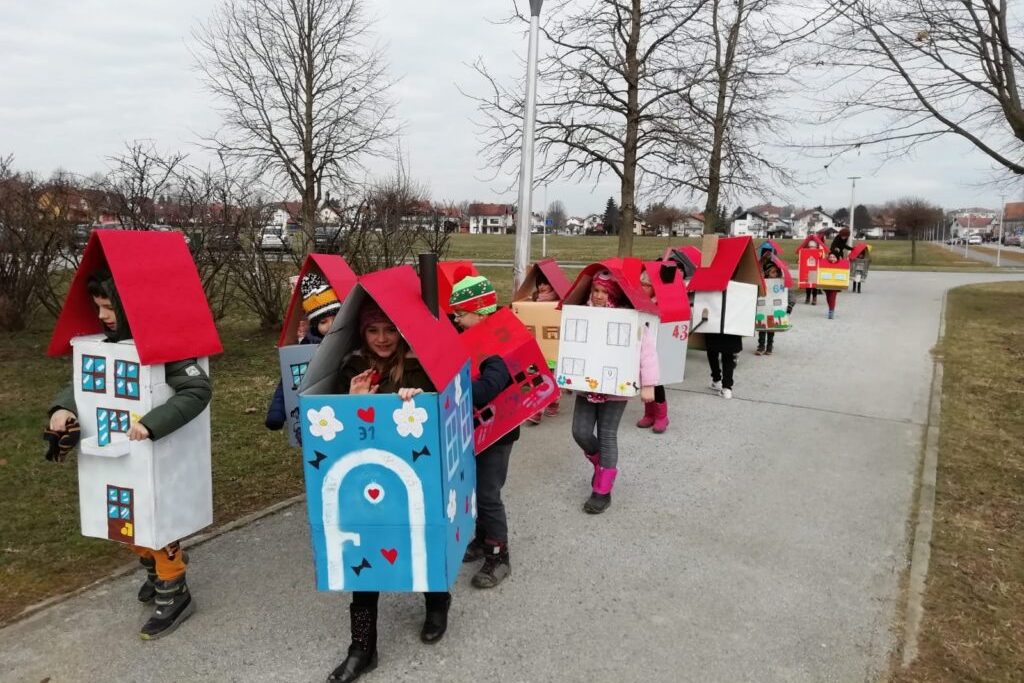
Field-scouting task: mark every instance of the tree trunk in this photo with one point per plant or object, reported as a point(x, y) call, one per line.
point(628, 198)
point(723, 70)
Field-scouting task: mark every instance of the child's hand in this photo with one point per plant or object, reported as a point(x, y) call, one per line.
point(60, 418)
point(646, 394)
point(406, 393)
point(363, 383)
point(138, 432)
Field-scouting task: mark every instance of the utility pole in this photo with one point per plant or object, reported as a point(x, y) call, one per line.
point(1002, 217)
point(853, 193)
point(522, 252)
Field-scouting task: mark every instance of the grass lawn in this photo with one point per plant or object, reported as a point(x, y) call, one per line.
point(42, 552)
point(973, 626)
point(1010, 255)
point(884, 254)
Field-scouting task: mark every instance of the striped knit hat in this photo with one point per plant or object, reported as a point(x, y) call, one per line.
point(474, 294)
point(318, 298)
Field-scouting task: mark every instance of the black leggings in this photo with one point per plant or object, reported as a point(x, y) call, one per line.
point(659, 394)
point(371, 598)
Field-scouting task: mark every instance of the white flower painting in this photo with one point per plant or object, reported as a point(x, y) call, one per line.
point(452, 505)
point(323, 423)
point(409, 420)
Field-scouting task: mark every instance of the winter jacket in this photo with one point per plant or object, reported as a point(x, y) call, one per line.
point(413, 377)
point(192, 393)
point(276, 414)
point(839, 247)
point(494, 378)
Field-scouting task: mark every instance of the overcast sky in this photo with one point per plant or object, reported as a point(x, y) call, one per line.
point(79, 77)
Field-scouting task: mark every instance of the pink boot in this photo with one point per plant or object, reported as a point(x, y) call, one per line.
point(649, 416)
point(601, 498)
point(595, 460)
point(660, 417)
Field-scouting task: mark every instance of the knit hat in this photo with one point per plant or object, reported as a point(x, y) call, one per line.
point(605, 281)
point(474, 294)
point(369, 314)
point(318, 298)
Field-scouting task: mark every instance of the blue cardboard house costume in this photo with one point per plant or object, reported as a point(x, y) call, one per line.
point(390, 486)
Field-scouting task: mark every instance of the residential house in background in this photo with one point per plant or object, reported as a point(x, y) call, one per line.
point(749, 224)
point(492, 219)
point(812, 220)
point(690, 226)
point(594, 223)
point(1013, 218)
point(574, 225)
point(971, 224)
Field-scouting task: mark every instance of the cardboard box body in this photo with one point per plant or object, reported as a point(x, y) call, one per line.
point(599, 349)
point(833, 275)
point(859, 270)
point(771, 309)
point(808, 260)
point(293, 361)
point(729, 312)
point(147, 493)
point(544, 321)
point(390, 487)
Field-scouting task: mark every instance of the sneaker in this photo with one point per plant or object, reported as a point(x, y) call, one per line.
point(726, 393)
point(717, 386)
point(496, 567)
point(831, 315)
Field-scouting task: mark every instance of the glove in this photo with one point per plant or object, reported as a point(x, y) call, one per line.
point(59, 444)
point(273, 424)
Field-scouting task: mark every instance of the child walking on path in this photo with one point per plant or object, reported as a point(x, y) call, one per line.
point(596, 417)
point(771, 268)
point(722, 350)
point(656, 412)
point(165, 567)
point(544, 292)
point(473, 299)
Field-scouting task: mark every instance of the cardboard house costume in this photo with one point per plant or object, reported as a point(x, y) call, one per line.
point(599, 348)
point(833, 276)
point(147, 493)
point(449, 273)
point(390, 486)
point(771, 306)
point(293, 357)
point(673, 303)
point(533, 386)
point(808, 259)
point(724, 290)
point(542, 318)
point(859, 266)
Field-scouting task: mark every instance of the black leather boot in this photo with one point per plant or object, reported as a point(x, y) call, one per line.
point(362, 653)
point(174, 605)
point(435, 623)
point(147, 591)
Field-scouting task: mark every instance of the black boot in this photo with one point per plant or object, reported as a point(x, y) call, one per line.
point(362, 653)
point(148, 589)
point(497, 566)
point(475, 549)
point(174, 605)
point(435, 623)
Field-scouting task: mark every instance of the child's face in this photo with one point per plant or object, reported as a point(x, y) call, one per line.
point(323, 325)
point(773, 272)
point(648, 288)
point(105, 312)
point(599, 296)
point(543, 288)
point(466, 320)
point(382, 338)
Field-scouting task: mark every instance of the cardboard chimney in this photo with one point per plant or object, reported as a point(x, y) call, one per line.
point(724, 290)
point(293, 356)
point(390, 486)
point(148, 493)
point(542, 318)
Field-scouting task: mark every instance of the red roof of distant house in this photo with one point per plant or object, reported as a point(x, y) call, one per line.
point(1014, 211)
point(974, 221)
point(490, 209)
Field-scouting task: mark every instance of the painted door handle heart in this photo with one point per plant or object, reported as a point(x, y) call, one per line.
point(390, 554)
point(366, 414)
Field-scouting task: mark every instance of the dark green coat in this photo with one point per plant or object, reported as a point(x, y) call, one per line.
point(192, 394)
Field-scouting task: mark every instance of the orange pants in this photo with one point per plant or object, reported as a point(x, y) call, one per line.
point(170, 561)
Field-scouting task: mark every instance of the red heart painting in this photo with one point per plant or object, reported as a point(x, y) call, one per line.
point(366, 414)
point(447, 402)
point(373, 493)
point(458, 536)
point(390, 554)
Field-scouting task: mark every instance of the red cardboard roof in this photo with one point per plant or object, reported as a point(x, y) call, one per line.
point(734, 259)
point(435, 342)
point(673, 299)
point(813, 236)
point(160, 291)
point(625, 272)
point(448, 275)
point(553, 272)
point(339, 276)
point(858, 248)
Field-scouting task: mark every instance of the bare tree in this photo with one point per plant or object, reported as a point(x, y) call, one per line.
point(33, 227)
point(914, 217)
point(608, 98)
point(935, 67)
point(303, 91)
point(137, 177)
point(557, 215)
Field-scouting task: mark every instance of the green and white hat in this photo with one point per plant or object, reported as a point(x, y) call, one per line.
point(474, 294)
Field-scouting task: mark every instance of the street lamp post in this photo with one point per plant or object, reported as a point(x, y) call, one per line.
point(853, 193)
point(522, 253)
point(1002, 217)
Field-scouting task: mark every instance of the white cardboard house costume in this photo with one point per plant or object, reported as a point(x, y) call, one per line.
point(293, 357)
point(724, 290)
point(147, 493)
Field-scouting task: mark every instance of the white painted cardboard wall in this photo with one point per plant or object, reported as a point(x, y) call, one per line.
point(599, 349)
point(163, 489)
point(728, 312)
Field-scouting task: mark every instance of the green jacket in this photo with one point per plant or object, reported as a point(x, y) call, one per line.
point(192, 394)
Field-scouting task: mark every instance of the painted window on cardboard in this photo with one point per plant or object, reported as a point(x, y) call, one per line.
point(94, 374)
point(298, 372)
point(573, 366)
point(576, 330)
point(109, 421)
point(126, 380)
point(618, 334)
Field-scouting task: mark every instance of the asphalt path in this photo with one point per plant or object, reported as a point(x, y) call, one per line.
point(760, 539)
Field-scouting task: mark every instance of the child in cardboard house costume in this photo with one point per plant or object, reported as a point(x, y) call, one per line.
point(836, 253)
point(775, 272)
point(473, 299)
point(656, 412)
point(162, 485)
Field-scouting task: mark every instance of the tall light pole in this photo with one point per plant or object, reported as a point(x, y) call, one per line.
point(1002, 217)
point(522, 254)
point(853, 194)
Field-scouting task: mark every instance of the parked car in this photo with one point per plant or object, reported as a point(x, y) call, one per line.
point(1012, 240)
point(326, 238)
point(274, 238)
point(975, 239)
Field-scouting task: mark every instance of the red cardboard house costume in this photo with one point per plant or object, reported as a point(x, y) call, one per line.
point(448, 274)
point(542, 318)
point(146, 493)
point(673, 302)
point(724, 290)
point(809, 255)
point(294, 357)
point(390, 485)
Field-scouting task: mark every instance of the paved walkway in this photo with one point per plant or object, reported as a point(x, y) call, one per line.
point(760, 539)
point(987, 254)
